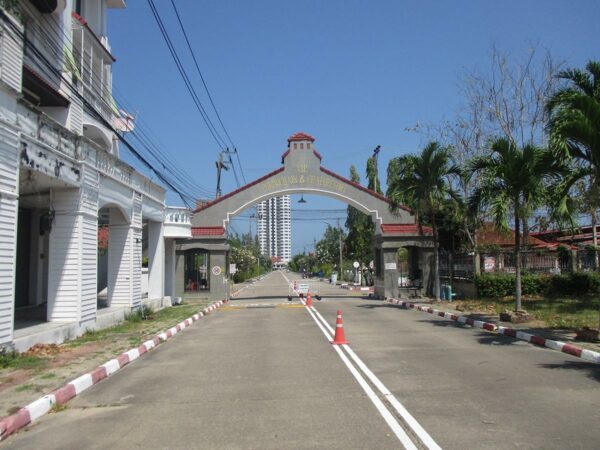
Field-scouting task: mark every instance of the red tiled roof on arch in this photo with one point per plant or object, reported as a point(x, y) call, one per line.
point(405, 228)
point(208, 231)
point(300, 136)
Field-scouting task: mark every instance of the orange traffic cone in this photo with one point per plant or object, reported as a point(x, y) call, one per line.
point(308, 299)
point(339, 338)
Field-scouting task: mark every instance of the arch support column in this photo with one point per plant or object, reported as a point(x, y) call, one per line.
point(386, 263)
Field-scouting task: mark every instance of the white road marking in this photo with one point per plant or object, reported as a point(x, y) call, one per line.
point(387, 416)
point(408, 418)
point(392, 422)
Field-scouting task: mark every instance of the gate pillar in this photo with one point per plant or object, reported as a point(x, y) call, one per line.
point(386, 263)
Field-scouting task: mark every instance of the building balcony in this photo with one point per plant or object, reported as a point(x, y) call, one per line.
point(43, 60)
point(178, 223)
point(92, 69)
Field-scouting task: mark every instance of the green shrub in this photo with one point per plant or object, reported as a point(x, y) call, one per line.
point(532, 284)
point(494, 286)
point(139, 314)
point(7, 357)
point(502, 285)
point(575, 283)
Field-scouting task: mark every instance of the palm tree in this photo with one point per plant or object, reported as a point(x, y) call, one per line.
point(423, 182)
point(513, 183)
point(575, 130)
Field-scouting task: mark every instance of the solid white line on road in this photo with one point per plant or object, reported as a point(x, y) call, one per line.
point(387, 416)
point(400, 409)
point(408, 418)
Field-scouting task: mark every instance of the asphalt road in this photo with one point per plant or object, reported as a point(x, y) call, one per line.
point(261, 373)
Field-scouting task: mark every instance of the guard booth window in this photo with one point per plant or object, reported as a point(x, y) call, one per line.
point(197, 263)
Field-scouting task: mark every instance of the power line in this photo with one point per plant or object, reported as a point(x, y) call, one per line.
point(74, 91)
point(189, 45)
point(145, 141)
point(215, 134)
point(200, 73)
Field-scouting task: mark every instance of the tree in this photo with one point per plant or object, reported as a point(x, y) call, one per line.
point(327, 249)
point(423, 182)
point(507, 98)
point(514, 183)
point(359, 240)
point(575, 130)
point(374, 182)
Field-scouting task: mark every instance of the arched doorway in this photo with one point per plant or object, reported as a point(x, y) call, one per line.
point(302, 172)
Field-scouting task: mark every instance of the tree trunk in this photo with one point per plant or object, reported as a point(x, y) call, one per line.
point(525, 240)
point(595, 239)
point(517, 264)
point(436, 263)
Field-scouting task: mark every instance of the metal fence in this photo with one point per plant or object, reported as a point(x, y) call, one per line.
point(462, 265)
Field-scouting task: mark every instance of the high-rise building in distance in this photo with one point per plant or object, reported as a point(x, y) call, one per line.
point(274, 229)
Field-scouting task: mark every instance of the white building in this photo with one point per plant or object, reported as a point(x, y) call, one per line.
point(274, 228)
point(61, 177)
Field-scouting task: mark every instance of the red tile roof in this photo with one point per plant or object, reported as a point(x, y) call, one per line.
point(301, 137)
point(208, 231)
point(404, 228)
point(489, 234)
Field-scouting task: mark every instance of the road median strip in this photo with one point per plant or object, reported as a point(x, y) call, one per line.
point(588, 355)
point(40, 407)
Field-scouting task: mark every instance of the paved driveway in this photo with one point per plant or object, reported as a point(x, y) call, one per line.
point(261, 373)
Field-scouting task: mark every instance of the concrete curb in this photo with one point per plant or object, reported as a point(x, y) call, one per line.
point(40, 407)
point(573, 350)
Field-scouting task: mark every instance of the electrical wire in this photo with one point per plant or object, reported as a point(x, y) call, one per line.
point(49, 66)
point(200, 72)
point(214, 132)
point(145, 140)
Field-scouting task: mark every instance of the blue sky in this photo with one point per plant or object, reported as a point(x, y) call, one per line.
point(354, 74)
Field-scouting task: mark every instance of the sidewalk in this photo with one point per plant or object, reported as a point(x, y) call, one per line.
point(46, 367)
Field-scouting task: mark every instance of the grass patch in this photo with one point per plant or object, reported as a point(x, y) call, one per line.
point(139, 325)
point(13, 360)
point(48, 376)
point(555, 312)
point(28, 387)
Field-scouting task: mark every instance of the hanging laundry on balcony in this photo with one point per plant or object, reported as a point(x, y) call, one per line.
point(123, 121)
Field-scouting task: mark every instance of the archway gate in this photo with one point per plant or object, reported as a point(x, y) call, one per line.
point(301, 172)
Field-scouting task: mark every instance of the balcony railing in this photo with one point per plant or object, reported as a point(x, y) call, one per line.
point(178, 223)
point(93, 63)
point(43, 54)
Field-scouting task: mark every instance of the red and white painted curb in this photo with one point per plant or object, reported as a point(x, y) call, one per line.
point(579, 352)
point(40, 407)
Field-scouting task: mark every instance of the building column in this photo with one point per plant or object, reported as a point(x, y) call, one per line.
point(390, 272)
point(125, 257)
point(120, 260)
point(9, 207)
point(170, 268)
point(72, 264)
point(156, 260)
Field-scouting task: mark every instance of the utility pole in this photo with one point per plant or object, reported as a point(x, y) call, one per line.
point(221, 164)
point(375, 155)
point(340, 242)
